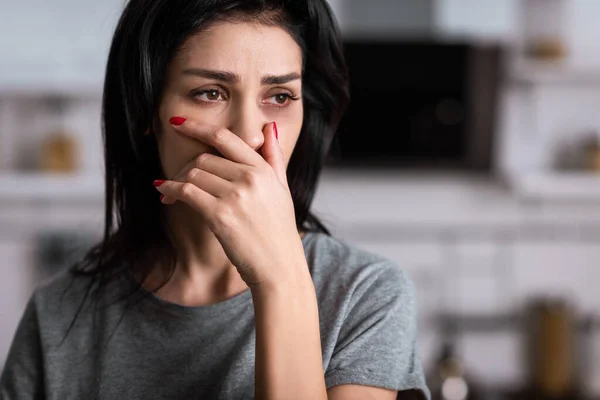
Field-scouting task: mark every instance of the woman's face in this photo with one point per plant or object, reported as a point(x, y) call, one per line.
point(241, 76)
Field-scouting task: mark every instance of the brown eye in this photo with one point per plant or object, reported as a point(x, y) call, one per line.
point(209, 95)
point(213, 95)
point(281, 98)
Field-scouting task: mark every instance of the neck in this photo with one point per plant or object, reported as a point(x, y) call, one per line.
point(203, 274)
point(197, 248)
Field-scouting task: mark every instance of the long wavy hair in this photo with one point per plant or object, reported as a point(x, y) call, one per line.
point(148, 35)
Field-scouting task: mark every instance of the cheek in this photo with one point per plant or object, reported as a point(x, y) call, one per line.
point(175, 149)
point(289, 133)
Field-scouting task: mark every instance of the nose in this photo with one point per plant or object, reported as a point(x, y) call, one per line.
point(247, 121)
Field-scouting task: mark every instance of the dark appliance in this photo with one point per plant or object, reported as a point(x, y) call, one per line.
point(420, 104)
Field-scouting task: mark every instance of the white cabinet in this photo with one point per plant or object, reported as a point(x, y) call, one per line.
point(479, 277)
point(568, 270)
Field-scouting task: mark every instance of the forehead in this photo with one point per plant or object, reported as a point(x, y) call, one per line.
point(243, 48)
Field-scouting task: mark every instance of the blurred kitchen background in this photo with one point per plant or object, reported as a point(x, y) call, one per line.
point(470, 156)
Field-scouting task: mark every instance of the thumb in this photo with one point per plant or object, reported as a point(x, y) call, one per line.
point(272, 152)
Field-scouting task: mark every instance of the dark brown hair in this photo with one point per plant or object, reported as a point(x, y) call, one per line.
point(148, 35)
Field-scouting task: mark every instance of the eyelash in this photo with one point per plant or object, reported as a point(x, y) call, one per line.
point(290, 97)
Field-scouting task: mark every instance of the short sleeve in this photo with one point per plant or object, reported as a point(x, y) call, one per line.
point(377, 341)
point(22, 377)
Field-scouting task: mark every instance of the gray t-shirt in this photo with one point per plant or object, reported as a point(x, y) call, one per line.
point(154, 349)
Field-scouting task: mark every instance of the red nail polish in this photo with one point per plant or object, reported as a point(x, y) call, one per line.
point(177, 120)
point(275, 129)
point(162, 196)
point(158, 182)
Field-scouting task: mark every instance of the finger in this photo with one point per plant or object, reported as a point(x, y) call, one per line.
point(223, 140)
point(163, 199)
point(190, 194)
point(208, 182)
point(219, 166)
point(272, 152)
point(167, 200)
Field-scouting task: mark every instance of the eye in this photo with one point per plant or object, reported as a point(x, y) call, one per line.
point(209, 95)
point(281, 99)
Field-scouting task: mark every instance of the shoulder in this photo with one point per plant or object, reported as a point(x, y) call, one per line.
point(70, 305)
point(68, 297)
point(337, 264)
point(366, 301)
point(60, 291)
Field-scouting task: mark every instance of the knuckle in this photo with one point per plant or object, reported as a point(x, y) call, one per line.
point(220, 135)
point(191, 174)
point(223, 215)
point(239, 193)
point(201, 159)
point(186, 190)
point(251, 177)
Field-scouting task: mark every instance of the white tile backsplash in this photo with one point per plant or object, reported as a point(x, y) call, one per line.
point(494, 359)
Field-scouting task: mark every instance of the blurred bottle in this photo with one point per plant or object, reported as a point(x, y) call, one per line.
point(59, 150)
point(448, 380)
point(592, 152)
point(552, 345)
point(544, 29)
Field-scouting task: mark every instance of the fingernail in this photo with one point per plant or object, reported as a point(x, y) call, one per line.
point(162, 196)
point(275, 129)
point(158, 182)
point(177, 120)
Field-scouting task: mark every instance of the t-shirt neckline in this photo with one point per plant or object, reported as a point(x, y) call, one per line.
point(210, 309)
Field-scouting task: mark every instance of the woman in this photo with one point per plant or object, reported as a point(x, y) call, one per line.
point(214, 281)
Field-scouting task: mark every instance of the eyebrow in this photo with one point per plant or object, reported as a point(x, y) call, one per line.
point(279, 79)
point(230, 77)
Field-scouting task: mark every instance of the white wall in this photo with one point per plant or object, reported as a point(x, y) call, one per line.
point(479, 18)
point(390, 17)
point(70, 38)
point(62, 42)
point(583, 31)
point(502, 20)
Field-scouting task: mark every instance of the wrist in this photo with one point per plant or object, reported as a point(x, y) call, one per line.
point(297, 280)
